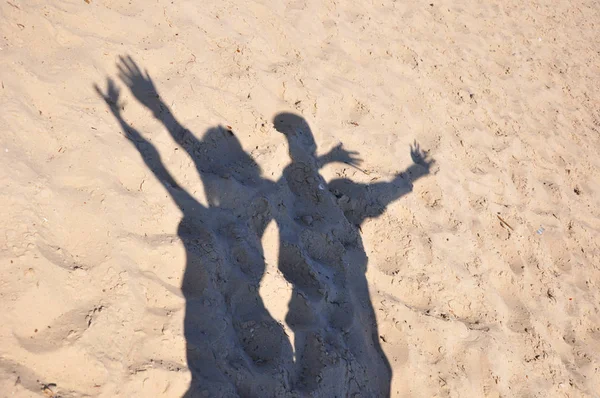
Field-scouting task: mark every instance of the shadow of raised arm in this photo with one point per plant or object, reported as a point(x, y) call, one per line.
point(421, 163)
point(143, 89)
point(146, 149)
point(362, 201)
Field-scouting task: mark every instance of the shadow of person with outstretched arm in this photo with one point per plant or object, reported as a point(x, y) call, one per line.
point(321, 254)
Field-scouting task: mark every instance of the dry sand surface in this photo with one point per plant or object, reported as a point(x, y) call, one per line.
point(183, 221)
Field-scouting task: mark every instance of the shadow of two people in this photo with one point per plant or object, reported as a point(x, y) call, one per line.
point(234, 346)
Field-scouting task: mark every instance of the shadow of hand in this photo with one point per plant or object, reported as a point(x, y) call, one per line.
point(340, 154)
point(141, 85)
point(112, 100)
point(111, 97)
point(420, 157)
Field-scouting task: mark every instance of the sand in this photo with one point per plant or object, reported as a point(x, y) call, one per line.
point(303, 198)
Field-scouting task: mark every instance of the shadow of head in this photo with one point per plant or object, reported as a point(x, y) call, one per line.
point(224, 154)
point(222, 158)
point(296, 130)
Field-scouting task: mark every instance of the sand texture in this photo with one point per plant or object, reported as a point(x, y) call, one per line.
point(299, 198)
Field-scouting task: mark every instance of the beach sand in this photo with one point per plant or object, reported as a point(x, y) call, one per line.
point(165, 238)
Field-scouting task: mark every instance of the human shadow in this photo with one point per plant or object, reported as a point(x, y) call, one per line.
point(234, 346)
point(322, 255)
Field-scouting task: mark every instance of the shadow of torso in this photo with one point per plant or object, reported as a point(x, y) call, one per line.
point(321, 254)
point(336, 349)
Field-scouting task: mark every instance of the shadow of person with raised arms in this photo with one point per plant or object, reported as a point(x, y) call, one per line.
point(233, 346)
